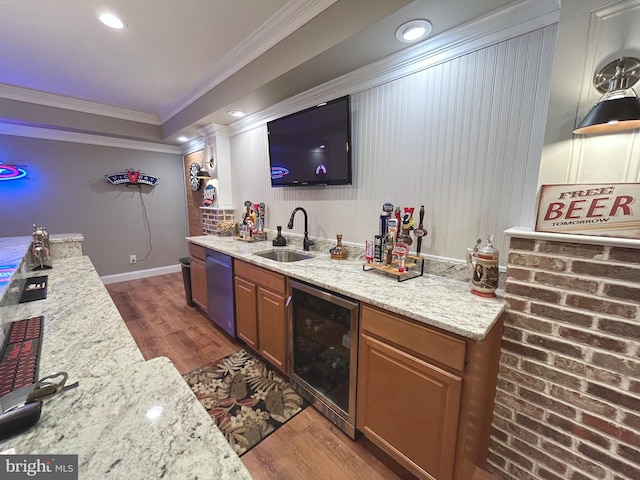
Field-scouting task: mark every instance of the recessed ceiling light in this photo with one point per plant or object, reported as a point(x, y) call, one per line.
point(182, 138)
point(236, 113)
point(413, 31)
point(112, 20)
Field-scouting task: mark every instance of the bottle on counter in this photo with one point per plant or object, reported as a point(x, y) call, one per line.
point(279, 241)
point(339, 252)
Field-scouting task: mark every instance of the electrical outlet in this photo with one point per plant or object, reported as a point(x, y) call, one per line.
point(132, 259)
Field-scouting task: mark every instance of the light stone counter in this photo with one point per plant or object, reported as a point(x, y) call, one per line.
point(144, 423)
point(433, 300)
point(129, 418)
point(13, 253)
point(84, 334)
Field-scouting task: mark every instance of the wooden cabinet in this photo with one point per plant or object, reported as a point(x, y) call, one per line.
point(198, 276)
point(246, 312)
point(260, 312)
point(416, 388)
point(272, 331)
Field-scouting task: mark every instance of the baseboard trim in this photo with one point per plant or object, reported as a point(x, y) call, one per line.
point(480, 474)
point(150, 272)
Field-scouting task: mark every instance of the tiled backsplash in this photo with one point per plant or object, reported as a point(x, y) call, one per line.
point(457, 271)
point(568, 398)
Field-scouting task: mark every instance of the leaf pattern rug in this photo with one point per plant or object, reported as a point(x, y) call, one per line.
point(247, 400)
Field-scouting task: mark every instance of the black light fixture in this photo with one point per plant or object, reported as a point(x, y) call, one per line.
point(619, 107)
point(203, 173)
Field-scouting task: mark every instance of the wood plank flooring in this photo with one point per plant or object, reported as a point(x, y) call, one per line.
point(308, 447)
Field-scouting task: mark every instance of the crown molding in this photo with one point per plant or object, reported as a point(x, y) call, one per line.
point(286, 21)
point(194, 145)
point(504, 24)
point(86, 138)
point(21, 94)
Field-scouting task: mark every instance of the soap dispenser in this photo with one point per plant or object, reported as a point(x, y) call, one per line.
point(279, 241)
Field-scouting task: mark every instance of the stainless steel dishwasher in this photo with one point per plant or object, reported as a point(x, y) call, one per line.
point(220, 291)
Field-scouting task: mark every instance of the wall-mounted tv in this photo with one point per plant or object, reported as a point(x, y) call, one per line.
point(312, 147)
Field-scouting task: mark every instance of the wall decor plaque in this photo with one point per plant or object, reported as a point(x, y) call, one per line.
point(603, 209)
point(133, 177)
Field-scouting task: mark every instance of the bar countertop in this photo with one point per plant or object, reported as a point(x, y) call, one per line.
point(434, 300)
point(128, 418)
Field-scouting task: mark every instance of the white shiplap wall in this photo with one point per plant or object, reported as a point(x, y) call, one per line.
point(462, 137)
point(608, 30)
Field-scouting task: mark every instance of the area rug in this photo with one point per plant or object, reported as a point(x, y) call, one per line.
point(247, 400)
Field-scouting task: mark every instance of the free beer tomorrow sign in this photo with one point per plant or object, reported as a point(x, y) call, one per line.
point(609, 210)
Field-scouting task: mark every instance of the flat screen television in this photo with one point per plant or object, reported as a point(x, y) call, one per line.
point(312, 147)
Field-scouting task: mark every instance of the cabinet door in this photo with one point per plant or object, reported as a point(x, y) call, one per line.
point(199, 282)
point(246, 312)
point(409, 408)
point(272, 328)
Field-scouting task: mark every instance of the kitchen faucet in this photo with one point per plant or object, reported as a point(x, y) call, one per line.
point(306, 243)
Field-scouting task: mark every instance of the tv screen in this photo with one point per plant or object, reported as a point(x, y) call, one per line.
point(312, 147)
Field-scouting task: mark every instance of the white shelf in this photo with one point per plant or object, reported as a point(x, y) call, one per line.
point(523, 232)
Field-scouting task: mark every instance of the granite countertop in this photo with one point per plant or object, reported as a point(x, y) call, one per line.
point(129, 418)
point(13, 250)
point(431, 299)
point(144, 423)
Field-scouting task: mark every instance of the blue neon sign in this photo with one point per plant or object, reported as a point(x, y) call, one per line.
point(11, 172)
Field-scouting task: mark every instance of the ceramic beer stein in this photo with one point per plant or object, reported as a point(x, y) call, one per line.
point(483, 265)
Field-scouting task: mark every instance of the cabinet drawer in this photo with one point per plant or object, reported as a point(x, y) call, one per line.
point(271, 280)
point(196, 251)
point(437, 346)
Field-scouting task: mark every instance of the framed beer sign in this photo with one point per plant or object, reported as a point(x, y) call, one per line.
point(605, 209)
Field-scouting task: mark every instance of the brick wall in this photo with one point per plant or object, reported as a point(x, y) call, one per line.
point(568, 397)
point(211, 217)
point(194, 199)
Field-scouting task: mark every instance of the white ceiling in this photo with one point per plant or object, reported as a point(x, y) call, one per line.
point(188, 62)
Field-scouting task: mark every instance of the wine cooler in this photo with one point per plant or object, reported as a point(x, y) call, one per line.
point(323, 348)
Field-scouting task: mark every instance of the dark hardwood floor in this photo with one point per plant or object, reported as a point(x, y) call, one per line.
point(308, 447)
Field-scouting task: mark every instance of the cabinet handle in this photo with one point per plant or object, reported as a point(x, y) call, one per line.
point(286, 305)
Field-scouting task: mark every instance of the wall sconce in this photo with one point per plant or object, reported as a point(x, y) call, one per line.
point(619, 107)
point(204, 172)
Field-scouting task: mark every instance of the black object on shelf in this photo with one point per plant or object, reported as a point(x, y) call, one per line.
point(35, 288)
point(185, 263)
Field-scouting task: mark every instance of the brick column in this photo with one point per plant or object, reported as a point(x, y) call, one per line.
point(211, 217)
point(568, 397)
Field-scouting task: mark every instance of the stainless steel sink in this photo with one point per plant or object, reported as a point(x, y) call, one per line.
point(283, 255)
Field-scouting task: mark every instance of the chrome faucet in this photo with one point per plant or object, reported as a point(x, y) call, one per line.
point(306, 243)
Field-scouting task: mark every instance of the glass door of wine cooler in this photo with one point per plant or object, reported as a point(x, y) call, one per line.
point(324, 334)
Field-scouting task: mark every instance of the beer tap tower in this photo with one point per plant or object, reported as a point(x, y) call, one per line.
point(40, 250)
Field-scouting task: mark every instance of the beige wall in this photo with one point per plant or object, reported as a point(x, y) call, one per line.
point(66, 191)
